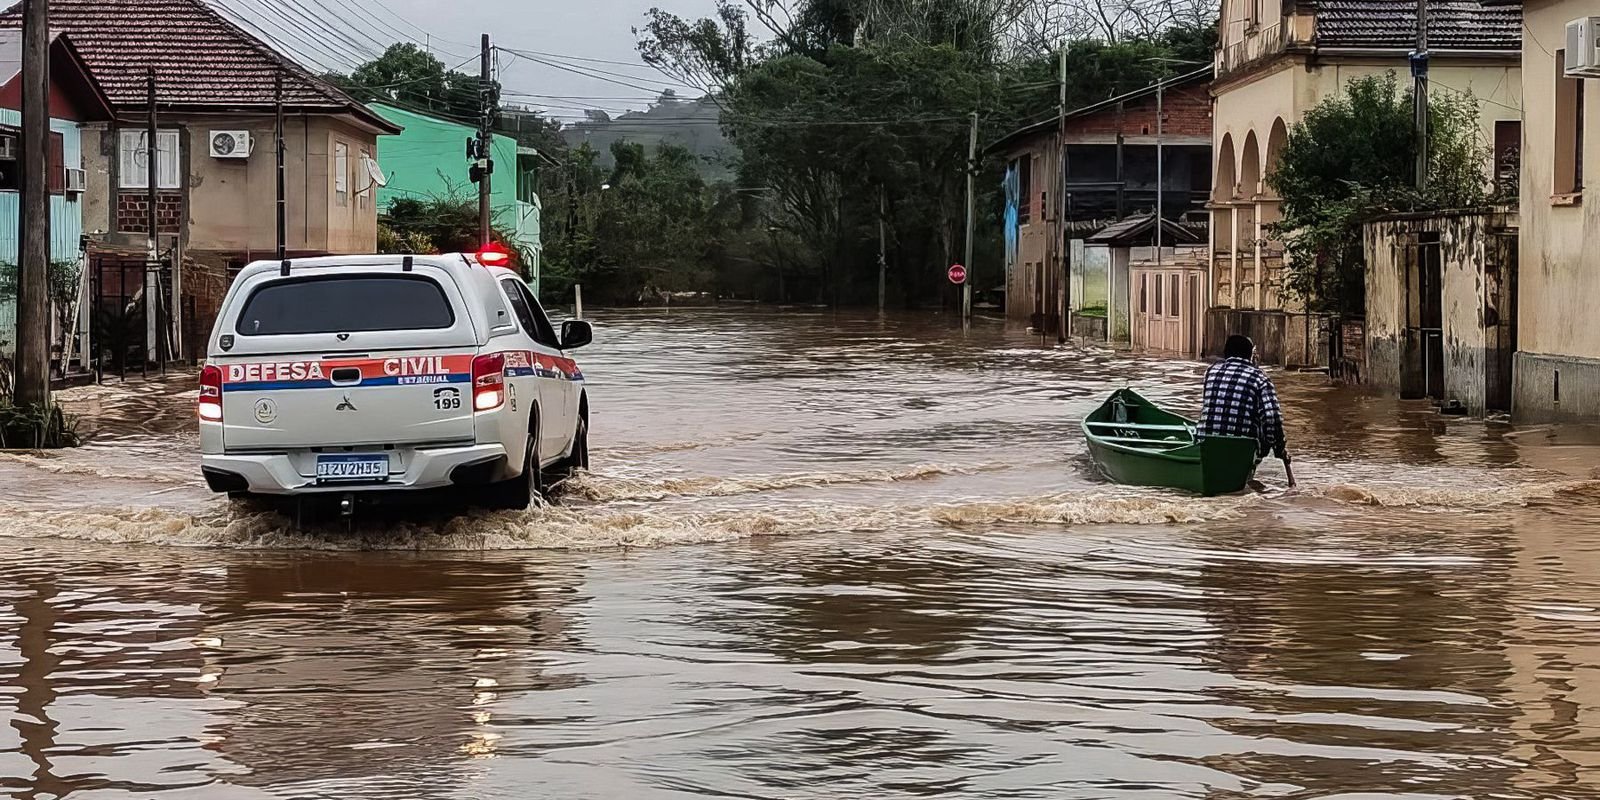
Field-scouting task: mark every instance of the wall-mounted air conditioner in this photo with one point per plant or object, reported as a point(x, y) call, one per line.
point(1583, 48)
point(230, 144)
point(75, 180)
point(8, 147)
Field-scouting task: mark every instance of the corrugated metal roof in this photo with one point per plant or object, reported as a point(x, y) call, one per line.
point(1137, 227)
point(1392, 24)
point(201, 60)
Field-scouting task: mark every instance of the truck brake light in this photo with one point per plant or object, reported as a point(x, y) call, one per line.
point(210, 404)
point(488, 381)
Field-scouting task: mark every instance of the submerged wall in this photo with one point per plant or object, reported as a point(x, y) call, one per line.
point(1477, 257)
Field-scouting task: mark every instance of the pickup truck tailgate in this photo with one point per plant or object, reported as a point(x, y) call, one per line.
point(298, 401)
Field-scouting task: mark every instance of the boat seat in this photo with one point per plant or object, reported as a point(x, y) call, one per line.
point(1168, 443)
point(1137, 426)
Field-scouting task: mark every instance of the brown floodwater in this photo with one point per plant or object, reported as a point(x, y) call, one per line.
point(820, 557)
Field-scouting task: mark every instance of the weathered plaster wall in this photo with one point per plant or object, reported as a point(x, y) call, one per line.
point(1474, 268)
point(1558, 283)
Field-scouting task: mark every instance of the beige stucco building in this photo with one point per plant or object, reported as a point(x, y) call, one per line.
point(1276, 59)
point(1557, 368)
point(216, 93)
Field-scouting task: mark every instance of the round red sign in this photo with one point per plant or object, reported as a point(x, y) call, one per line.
point(958, 274)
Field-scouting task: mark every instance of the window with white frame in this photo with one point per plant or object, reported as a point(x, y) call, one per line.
point(341, 173)
point(133, 166)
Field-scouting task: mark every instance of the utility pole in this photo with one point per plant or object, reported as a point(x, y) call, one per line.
point(1419, 90)
point(486, 103)
point(33, 291)
point(572, 214)
point(972, 217)
point(1062, 240)
point(282, 202)
point(883, 239)
point(156, 335)
point(1161, 89)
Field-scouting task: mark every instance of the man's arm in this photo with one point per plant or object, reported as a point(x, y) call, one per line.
point(1272, 421)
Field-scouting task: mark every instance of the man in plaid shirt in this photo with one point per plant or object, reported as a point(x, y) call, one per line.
point(1241, 401)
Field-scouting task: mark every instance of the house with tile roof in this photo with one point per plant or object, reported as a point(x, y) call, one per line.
point(1111, 151)
point(1275, 60)
point(215, 98)
point(75, 101)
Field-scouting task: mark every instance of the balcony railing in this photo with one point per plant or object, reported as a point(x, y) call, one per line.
point(1251, 46)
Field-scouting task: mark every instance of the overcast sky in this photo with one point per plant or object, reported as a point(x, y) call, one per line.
point(569, 30)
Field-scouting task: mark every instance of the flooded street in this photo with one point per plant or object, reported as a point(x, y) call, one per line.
point(821, 557)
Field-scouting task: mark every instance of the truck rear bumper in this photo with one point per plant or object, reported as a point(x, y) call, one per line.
point(432, 468)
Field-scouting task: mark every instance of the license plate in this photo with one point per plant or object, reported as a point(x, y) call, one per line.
point(352, 468)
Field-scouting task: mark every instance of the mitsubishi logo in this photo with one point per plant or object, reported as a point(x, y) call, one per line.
point(346, 405)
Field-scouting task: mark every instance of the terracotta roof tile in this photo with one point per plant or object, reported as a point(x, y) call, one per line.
point(201, 59)
point(1392, 24)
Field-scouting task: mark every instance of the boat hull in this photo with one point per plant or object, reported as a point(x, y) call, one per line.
point(1145, 445)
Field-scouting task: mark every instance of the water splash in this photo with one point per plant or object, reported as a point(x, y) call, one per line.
point(1458, 498)
point(607, 488)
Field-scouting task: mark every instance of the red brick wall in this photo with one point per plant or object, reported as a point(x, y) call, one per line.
point(133, 212)
point(1187, 109)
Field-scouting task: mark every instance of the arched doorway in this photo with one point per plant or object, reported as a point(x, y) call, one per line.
point(1269, 211)
point(1223, 188)
point(1276, 140)
point(1247, 233)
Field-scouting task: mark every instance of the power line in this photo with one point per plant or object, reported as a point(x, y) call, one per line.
point(577, 71)
point(427, 35)
point(354, 27)
point(598, 74)
point(308, 22)
point(401, 36)
point(561, 57)
point(316, 57)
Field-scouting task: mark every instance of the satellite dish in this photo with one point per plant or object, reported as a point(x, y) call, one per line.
point(375, 172)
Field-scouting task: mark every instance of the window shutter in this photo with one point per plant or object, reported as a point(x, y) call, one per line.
point(341, 167)
point(56, 177)
point(130, 167)
point(167, 175)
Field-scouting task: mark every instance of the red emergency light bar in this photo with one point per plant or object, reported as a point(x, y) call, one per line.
point(494, 254)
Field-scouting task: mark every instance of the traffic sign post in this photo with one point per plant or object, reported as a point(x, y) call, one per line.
point(958, 274)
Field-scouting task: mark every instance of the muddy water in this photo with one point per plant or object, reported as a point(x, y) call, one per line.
point(820, 557)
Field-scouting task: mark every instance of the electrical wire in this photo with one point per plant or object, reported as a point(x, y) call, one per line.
point(319, 57)
point(345, 24)
point(308, 22)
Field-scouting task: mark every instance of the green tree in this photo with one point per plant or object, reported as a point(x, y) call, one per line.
point(410, 76)
point(1353, 158)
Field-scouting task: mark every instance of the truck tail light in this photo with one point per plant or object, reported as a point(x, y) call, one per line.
point(488, 381)
point(210, 405)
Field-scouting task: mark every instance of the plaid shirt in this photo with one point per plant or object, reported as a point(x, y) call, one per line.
point(1240, 401)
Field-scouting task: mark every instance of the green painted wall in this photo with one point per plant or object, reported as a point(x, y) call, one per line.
point(430, 159)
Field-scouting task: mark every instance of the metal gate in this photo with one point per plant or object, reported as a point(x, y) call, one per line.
point(117, 315)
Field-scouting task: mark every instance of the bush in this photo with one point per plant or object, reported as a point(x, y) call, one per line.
point(36, 427)
point(1353, 158)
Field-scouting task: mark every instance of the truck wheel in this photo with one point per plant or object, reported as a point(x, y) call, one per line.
point(579, 459)
point(518, 493)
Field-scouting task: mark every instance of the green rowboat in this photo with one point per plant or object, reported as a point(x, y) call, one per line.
point(1135, 442)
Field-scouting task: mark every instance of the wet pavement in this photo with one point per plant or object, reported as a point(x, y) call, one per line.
point(820, 556)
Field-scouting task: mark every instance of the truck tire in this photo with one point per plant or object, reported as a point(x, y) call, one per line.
point(516, 494)
point(578, 460)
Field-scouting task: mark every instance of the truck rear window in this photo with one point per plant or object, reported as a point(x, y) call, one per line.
point(345, 304)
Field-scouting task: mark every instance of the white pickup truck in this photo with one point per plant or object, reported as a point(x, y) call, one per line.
point(352, 374)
